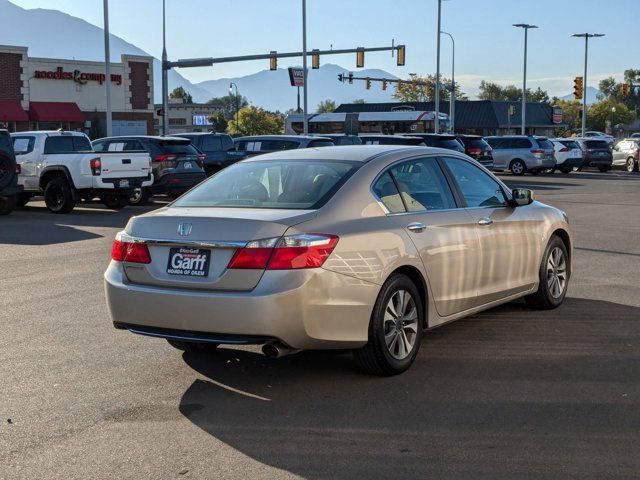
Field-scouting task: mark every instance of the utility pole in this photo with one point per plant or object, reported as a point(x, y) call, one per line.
point(452, 98)
point(107, 63)
point(165, 74)
point(526, 28)
point(305, 121)
point(437, 119)
point(586, 37)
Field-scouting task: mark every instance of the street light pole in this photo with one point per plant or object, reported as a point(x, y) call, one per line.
point(526, 28)
point(165, 73)
point(437, 119)
point(305, 122)
point(452, 98)
point(107, 63)
point(231, 87)
point(586, 37)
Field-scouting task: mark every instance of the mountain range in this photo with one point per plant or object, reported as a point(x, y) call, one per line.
point(268, 89)
point(592, 95)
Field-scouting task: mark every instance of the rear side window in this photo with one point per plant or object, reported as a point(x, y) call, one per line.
point(211, 143)
point(422, 185)
point(495, 143)
point(67, 144)
point(320, 143)
point(386, 190)
point(517, 143)
point(23, 144)
point(570, 143)
point(178, 148)
point(545, 144)
point(290, 184)
point(276, 145)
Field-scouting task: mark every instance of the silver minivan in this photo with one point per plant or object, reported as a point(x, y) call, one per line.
point(521, 154)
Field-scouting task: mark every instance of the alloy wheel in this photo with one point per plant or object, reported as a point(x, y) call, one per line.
point(631, 163)
point(556, 272)
point(400, 324)
point(55, 195)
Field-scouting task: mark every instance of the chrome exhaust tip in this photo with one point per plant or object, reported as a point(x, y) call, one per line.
point(277, 350)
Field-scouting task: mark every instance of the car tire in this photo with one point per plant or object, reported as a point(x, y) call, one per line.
point(395, 329)
point(115, 203)
point(604, 169)
point(191, 346)
point(517, 167)
point(23, 199)
point(58, 196)
point(7, 171)
point(632, 165)
point(534, 172)
point(554, 275)
point(566, 170)
point(139, 197)
point(7, 204)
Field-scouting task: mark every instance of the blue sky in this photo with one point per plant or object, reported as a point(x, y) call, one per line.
point(487, 46)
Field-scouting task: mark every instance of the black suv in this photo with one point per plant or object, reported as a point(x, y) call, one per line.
point(9, 188)
point(218, 148)
point(477, 148)
point(176, 164)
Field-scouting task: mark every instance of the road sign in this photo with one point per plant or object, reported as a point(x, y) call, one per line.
point(296, 76)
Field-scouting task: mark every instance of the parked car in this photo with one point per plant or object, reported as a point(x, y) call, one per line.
point(259, 144)
point(440, 140)
point(380, 139)
point(568, 154)
point(9, 170)
point(595, 135)
point(274, 254)
point(635, 135)
point(64, 167)
point(177, 165)
point(477, 148)
point(521, 154)
point(595, 153)
point(626, 154)
point(218, 148)
point(343, 139)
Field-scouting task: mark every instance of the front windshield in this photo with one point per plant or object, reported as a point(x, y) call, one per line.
point(291, 184)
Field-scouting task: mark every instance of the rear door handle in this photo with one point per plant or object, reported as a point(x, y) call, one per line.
point(416, 227)
point(485, 221)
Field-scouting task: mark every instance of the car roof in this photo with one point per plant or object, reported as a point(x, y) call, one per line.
point(50, 132)
point(159, 138)
point(197, 134)
point(352, 153)
point(281, 137)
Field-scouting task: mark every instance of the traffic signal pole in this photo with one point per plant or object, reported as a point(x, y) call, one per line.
point(584, 88)
point(305, 121)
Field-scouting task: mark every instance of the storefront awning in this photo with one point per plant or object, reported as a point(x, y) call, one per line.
point(55, 112)
point(11, 111)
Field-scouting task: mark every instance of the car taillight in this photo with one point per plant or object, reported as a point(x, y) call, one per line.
point(130, 252)
point(201, 159)
point(18, 169)
point(167, 160)
point(286, 253)
point(474, 151)
point(537, 151)
point(96, 166)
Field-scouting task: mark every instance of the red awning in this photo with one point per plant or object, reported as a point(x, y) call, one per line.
point(55, 112)
point(11, 111)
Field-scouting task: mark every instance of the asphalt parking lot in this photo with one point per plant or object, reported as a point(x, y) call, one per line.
point(509, 393)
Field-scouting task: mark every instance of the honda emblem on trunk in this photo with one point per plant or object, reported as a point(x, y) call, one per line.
point(184, 229)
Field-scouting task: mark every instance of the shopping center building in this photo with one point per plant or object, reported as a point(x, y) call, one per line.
point(48, 93)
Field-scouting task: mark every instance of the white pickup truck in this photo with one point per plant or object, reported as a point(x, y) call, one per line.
point(64, 167)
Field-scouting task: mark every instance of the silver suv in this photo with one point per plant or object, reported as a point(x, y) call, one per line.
point(521, 154)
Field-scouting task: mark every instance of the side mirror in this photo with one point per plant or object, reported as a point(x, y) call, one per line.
point(521, 197)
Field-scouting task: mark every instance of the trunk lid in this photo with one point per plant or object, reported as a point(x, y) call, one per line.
point(209, 235)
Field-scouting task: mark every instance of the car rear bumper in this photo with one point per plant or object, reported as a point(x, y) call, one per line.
point(304, 309)
point(570, 163)
point(176, 182)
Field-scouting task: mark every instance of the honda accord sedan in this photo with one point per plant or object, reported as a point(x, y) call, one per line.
point(358, 247)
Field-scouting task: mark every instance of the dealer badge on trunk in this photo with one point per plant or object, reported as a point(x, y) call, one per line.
point(184, 229)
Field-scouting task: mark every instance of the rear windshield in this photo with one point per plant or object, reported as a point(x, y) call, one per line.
point(545, 144)
point(570, 143)
point(178, 148)
point(596, 144)
point(474, 142)
point(67, 144)
point(291, 184)
point(452, 144)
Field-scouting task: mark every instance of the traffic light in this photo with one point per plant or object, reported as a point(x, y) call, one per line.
point(384, 84)
point(360, 58)
point(577, 88)
point(368, 83)
point(624, 89)
point(315, 59)
point(401, 55)
point(340, 77)
point(273, 61)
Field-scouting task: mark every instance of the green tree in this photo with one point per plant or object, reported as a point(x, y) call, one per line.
point(359, 101)
point(256, 121)
point(571, 113)
point(181, 93)
point(327, 106)
point(228, 104)
point(423, 89)
point(218, 122)
point(600, 114)
point(493, 91)
point(610, 89)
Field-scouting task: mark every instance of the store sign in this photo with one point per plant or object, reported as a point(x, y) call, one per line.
point(557, 115)
point(201, 120)
point(77, 76)
point(296, 76)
